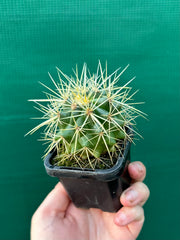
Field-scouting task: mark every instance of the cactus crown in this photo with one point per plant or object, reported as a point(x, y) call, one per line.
point(87, 117)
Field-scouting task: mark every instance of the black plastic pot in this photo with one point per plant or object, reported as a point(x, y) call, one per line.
point(94, 188)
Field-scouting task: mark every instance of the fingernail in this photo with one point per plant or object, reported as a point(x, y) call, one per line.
point(139, 167)
point(131, 195)
point(121, 219)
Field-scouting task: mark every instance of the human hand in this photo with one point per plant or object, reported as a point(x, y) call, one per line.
point(58, 219)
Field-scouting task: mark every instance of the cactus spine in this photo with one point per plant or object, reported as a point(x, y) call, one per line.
point(86, 118)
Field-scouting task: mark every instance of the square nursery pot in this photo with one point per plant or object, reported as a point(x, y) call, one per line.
point(94, 188)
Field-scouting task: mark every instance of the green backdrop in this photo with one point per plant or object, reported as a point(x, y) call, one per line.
point(36, 36)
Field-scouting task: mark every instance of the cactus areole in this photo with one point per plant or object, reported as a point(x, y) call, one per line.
point(88, 121)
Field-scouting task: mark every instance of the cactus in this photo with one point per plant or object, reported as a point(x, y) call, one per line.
point(87, 117)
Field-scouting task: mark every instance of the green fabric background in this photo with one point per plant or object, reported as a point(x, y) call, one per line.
point(36, 36)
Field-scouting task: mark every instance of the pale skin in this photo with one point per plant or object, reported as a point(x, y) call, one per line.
point(58, 219)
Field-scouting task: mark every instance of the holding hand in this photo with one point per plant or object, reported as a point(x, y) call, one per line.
point(58, 219)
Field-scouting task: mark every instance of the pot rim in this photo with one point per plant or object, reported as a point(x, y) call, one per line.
point(101, 174)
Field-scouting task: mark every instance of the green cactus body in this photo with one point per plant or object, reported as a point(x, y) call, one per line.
point(86, 119)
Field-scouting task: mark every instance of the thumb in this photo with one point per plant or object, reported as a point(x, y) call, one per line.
point(57, 201)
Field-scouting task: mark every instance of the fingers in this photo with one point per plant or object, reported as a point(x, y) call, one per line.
point(133, 217)
point(127, 215)
point(136, 194)
point(55, 203)
point(132, 199)
point(137, 171)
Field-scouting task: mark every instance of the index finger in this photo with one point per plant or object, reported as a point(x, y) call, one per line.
point(137, 171)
